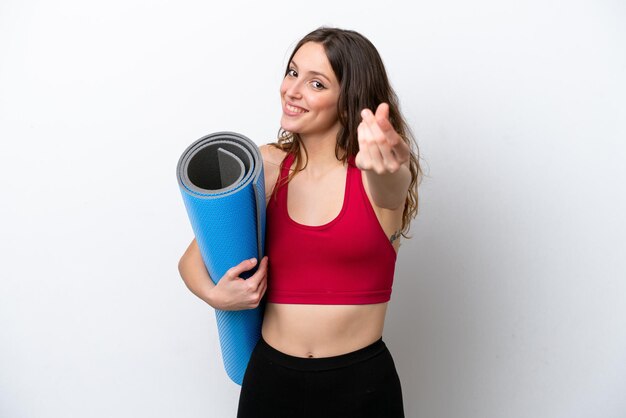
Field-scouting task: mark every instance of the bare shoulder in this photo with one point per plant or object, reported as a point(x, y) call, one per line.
point(271, 154)
point(272, 157)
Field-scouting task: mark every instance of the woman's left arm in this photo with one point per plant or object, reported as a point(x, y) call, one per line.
point(384, 156)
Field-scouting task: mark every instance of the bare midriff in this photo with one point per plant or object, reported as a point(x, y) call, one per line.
point(313, 331)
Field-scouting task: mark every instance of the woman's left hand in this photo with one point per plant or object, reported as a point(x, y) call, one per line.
point(381, 148)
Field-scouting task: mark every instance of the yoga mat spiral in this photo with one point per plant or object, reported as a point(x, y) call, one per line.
point(221, 180)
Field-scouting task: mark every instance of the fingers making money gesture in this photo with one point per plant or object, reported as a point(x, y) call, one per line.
point(381, 148)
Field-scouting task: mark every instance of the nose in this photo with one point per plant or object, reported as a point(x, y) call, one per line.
point(292, 88)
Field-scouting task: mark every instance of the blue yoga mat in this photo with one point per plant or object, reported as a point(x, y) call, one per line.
point(221, 180)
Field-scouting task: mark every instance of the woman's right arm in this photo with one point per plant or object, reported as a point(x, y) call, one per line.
point(231, 293)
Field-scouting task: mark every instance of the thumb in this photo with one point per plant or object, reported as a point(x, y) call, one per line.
point(245, 265)
point(382, 111)
point(382, 117)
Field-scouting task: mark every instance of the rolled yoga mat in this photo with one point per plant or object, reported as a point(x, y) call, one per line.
point(221, 180)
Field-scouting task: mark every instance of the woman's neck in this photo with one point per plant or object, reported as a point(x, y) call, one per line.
point(320, 153)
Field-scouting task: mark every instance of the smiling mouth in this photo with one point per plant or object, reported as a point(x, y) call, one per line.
point(294, 109)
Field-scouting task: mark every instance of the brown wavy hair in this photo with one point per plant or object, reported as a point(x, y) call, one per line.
point(363, 84)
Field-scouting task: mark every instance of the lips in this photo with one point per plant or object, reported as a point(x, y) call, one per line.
point(292, 110)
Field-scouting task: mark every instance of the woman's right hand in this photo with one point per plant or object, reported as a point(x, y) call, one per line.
point(232, 293)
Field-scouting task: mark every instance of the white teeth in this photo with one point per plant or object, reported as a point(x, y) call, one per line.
point(294, 109)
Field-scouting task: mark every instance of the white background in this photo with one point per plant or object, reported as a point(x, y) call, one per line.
point(509, 301)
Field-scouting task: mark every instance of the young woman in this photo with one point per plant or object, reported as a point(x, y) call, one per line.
point(341, 184)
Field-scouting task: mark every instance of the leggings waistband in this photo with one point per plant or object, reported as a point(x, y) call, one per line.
point(320, 363)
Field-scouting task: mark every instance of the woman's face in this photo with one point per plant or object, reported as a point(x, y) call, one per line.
point(309, 93)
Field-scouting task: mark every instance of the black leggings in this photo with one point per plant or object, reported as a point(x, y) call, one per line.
point(363, 384)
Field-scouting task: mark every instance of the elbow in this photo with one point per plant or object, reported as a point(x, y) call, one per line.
point(181, 266)
point(183, 271)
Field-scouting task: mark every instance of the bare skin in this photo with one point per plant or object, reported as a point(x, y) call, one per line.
point(321, 330)
point(315, 197)
point(298, 329)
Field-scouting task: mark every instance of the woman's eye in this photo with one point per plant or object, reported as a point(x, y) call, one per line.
point(292, 73)
point(317, 85)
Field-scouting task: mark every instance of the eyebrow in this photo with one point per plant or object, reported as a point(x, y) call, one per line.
point(312, 71)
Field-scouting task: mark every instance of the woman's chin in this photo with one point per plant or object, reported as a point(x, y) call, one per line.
point(288, 126)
